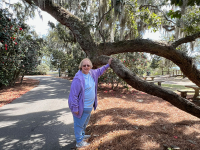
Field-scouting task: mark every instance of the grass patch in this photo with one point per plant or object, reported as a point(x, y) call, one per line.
point(174, 88)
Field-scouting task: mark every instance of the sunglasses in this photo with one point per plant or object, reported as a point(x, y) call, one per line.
point(86, 65)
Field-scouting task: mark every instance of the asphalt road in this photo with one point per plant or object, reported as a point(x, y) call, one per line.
point(39, 119)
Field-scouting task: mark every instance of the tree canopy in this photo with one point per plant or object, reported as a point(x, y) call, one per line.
point(106, 27)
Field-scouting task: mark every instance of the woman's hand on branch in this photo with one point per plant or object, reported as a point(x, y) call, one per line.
point(109, 61)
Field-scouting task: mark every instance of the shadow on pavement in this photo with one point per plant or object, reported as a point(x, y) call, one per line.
point(40, 119)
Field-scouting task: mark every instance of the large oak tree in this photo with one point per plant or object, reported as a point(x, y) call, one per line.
point(99, 53)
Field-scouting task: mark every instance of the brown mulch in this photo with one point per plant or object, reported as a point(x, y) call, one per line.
point(130, 120)
point(133, 120)
point(10, 93)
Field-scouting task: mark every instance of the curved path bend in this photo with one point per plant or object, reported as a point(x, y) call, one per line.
point(39, 119)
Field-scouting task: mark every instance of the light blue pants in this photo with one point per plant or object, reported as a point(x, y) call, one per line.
point(81, 123)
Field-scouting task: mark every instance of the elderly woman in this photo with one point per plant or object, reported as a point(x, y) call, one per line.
point(83, 97)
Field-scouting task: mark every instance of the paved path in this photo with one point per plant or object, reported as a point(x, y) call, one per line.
point(40, 119)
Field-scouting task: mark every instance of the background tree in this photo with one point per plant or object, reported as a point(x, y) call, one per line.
point(64, 52)
point(155, 62)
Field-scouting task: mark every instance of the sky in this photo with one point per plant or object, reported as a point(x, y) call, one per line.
point(151, 35)
point(41, 25)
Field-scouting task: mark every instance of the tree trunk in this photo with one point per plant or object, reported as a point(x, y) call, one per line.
point(22, 78)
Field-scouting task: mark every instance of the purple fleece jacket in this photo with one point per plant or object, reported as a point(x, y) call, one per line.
point(77, 94)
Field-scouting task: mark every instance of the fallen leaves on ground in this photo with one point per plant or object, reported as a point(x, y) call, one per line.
point(10, 93)
point(134, 120)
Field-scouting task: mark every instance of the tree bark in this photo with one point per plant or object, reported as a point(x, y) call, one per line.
point(99, 54)
point(151, 89)
point(168, 51)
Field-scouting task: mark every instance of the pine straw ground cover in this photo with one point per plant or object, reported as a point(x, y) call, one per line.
point(10, 93)
point(130, 120)
point(133, 120)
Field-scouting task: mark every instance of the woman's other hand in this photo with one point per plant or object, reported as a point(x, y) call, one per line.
point(76, 113)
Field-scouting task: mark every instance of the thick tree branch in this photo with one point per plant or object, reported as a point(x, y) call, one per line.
point(78, 28)
point(145, 45)
point(186, 39)
point(149, 88)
